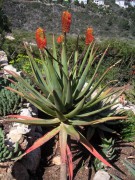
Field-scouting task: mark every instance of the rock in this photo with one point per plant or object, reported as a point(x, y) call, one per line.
point(10, 37)
point(31, 160)
point(20, 172)
point(101, 175)
point(56, 160)
point(3, 59)
point(25, 112)
point(13, 136)
point(10, 68)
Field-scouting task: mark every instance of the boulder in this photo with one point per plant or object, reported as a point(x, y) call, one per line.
point(101, 175)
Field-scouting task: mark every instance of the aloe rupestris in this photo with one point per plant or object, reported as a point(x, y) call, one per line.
point(65, 97)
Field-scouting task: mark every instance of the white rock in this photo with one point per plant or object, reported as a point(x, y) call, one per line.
point(56, 160)
point(25, 112)
point(14, 136)
point(10, 37)
point(101, 175)
point(21, 128)
point(3, 58)
point(10, 68)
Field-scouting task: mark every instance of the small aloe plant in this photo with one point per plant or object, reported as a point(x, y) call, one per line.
point(109, 152)
point(63, 95)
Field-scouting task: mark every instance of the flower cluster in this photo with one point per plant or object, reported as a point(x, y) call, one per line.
point(40, 38)
point(66, 21)
point(60, 39)
point(89, 36)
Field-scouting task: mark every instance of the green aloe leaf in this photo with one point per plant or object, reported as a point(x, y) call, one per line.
point(69, 98)
point(103, 96)
point(65, 84)
point(84, 75)
point(31, 120)
point(61, 117)
point(84, 61)
point(72, 132)
point(107, 129)
point(102, 91)
point(100, 80)
point(58, 103)
point(64, 59)
point(63, 152)
point(42, 140)
point(26, 88)
point(91, 81)
point(77, 109)
point(70, 163)
point(53, 77)
point(36, 71)
point(92, 150)
point(96, 121)
point(36, 102)
point(96, 111)
point(76, 55)
point(55, 63)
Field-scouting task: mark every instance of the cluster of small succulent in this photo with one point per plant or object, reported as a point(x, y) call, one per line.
point(9, 101)
point(108, 151)
point(7, 152)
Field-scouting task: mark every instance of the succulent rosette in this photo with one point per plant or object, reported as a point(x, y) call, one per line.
point(66, 95)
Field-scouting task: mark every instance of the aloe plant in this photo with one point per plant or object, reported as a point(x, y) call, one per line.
point(63, 96)
point(108, 150)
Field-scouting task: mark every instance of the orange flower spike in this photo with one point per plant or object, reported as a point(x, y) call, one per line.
point(60, 39)
point(40, 38)
point(89, 36)
point(66, 21)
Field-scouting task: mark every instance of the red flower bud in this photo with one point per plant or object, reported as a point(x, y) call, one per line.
point(40, 38)
point(66, 21)
point(60, 39)
point(89, 36)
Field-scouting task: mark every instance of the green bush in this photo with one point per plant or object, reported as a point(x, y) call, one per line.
point(22, 62)
point(124, 24)
point(118, 50)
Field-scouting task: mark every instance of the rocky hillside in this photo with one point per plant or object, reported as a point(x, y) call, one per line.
point(109, 21)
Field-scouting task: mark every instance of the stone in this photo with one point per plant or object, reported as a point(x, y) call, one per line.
point(20, 172)
point(3, 59)
point(10, 68)
point(25, 112)
point(31, 161)
point(13, 136)
point(10, 37)
point(56, 160)
point(101, 175)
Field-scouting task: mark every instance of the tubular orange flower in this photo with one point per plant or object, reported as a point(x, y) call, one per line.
point(66, 21)
point(60, 39)
point(40, 38)
point(89, 36)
